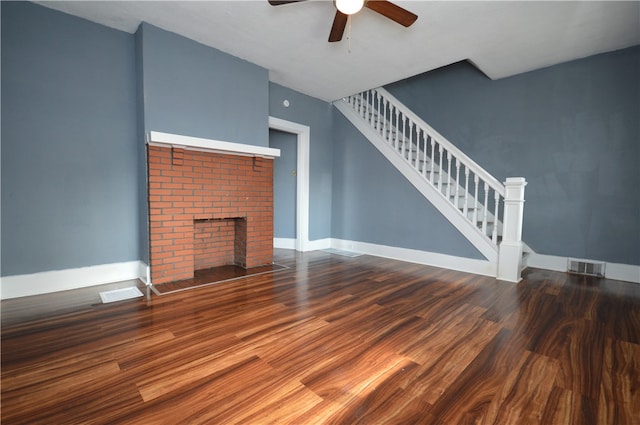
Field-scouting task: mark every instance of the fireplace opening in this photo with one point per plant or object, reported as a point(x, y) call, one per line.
point(219, 242)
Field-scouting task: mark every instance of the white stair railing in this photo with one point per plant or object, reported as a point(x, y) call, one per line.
point(474, 193)
point(470, 188)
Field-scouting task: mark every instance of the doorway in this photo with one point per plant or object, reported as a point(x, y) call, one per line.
point(284, 185)
point(301, 132)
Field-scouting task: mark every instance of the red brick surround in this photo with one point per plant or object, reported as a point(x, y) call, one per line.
point(189, 193)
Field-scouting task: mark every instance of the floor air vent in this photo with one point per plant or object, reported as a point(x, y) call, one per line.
point(120, 294)
point(585, 268)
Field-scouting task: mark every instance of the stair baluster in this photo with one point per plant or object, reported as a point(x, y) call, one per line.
point(485, 209)
point(384, 119)
point(440, 149)
point(466, 191)
point(448, 175)
point(410, 153)
point(475, 199)
point(397, 134)
point(494, 234)
point(433, 157)
point(378, 124)
point(457, 197)
point(366, 106)
point(424, 153)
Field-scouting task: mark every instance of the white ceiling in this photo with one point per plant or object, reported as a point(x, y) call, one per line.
point(502, 38)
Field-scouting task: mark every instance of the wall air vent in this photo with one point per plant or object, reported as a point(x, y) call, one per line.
point(585, 268)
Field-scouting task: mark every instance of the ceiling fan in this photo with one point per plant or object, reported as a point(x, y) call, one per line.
point(345, 8)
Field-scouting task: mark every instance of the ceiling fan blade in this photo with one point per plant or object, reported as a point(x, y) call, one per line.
point(281, 2)
point(392, 11)
point(339, 24)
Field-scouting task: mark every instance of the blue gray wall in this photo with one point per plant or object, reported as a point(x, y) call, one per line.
point(373, 202)
point(195, 90)
point(318, 115)
point(572, 130)
point(141, 147)
point(69, 160)
point(284, 183)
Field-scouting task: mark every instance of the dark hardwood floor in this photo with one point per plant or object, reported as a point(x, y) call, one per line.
point(333, 340)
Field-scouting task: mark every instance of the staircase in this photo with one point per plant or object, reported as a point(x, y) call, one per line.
point(487, 212)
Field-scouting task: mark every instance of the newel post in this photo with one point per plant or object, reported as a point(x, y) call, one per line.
point(510, 255)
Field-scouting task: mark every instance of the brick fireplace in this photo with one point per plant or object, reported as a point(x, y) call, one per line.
point(207, 208)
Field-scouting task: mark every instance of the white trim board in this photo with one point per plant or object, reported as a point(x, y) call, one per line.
point(320, 244)
point(284, 243)
point(144, 273)
point(615, 271)
point(450, 262)
point(303, 134)
point(62, 280)
point(289, 243)
point(157, 138)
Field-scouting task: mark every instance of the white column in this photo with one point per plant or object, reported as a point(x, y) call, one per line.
point(510, 255)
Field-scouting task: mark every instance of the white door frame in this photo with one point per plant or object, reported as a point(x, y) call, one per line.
point(302, 183)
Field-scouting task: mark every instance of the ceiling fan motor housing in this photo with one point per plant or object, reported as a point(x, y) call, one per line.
point(345, 8)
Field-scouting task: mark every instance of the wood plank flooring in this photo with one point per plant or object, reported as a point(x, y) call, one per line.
point(334, 340)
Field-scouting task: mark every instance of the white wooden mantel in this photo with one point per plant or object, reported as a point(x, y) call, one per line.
point(156, 138)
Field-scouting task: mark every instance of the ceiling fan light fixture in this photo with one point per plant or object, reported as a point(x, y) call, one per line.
point(349, 7)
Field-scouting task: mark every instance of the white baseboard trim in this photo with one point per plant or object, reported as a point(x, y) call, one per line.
point(62, 280)
point(481, 267)
point(450, 262)
point(616, 271)
point(287, 243)
point(144, 273)
point(319, 244)
point(284, 243)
